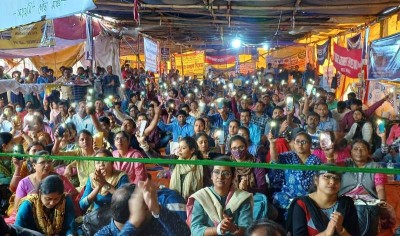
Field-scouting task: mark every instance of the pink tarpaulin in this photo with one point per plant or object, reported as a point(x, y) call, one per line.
point(31, 52)
point(73, 27)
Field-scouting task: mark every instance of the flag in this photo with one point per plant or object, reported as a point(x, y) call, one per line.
point(136, 11)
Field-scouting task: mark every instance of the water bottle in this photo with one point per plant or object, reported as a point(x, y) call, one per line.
point(390, 165)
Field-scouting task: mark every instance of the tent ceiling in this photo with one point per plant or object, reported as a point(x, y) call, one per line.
point(203, 24)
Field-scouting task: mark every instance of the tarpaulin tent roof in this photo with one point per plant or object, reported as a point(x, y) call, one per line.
point(214, 23)
point(68, 31)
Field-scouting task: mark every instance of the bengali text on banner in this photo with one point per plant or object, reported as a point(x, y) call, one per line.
point(348, 62)
point(22, 12)
point(192, 62)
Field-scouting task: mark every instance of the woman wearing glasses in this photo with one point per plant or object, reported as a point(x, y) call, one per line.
point(368, 187)
point(323, 211)
point(246, 178)
point(221, 209)
point(293, 183)
point(43, 167)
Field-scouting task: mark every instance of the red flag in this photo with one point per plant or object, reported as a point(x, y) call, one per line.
point(136, 10)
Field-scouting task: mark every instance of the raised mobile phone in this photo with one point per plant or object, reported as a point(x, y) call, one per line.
point(381, 126)
point(142, 127)
point(309, 89)
point(289, 103)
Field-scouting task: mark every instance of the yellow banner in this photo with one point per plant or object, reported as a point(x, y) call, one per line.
point(28, 36)
point(192, 62)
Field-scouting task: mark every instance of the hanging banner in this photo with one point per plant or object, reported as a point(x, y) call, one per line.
point(28, 36)
point(354, 42)
point(384, 59)
point(348, 62)
point(376, 92)
point(150, 54)
point(89, 39)
point(291, 60)
point(192, 62)
point(165, 54)
point(322, 52)
point(22, 12)
point(220, 60)
point(247, 67)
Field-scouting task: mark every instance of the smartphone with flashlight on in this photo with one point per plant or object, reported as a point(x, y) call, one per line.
point(289, 104)
point(275, 127)
point(142, 127)
point(309, 89)
point(221, 137)
point(381, 125)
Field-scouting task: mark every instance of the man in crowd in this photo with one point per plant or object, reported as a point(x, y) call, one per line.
point(111, 83)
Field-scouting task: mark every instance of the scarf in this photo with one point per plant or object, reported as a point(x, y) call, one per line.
point(48, 225)
point(247, 172)
point(212, 205)
point(112, 180)
point(358, 133)
point(192, 181)
point(319, 219)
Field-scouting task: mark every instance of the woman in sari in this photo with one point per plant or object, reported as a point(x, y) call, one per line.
point(6, 146)
point(83, 168)
point(368, 187)
point(135, 170)
point(221, 209)
point(202, 140)
point(293, 183)
point(246, 178)
point(102, 184)
point(50, 211)
point(185, 179)
point(323, 212)
point(43, 167)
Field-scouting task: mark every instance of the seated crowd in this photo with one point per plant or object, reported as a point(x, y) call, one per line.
point(263, 118)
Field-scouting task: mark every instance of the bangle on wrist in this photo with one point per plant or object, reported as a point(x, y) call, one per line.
point(219, 229)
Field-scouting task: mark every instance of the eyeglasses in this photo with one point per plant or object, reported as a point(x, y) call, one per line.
point(241, 148)
point(331, 177)
point(224, 173)
point(301, 142)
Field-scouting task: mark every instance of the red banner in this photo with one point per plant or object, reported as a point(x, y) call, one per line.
point(348, 62)
point(220, 60)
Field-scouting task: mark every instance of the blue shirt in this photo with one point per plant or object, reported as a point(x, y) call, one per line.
point(42, 80)
point(217, 122)
point(168, 224)
point(177, 130)
point(255, 134)
point(329, 125)
point(82, 123)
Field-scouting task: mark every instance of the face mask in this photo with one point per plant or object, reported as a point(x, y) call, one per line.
point(18, 109)
point(238, 154)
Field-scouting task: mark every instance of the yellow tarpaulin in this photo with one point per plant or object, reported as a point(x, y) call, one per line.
point(28, 36)
point(67, 57)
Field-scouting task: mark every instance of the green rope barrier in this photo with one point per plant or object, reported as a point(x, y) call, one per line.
point(158, 160)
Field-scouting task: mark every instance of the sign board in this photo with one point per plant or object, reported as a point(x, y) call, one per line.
point(150, 54)
point(22, 12)
point(28, 36)
point(165, 54)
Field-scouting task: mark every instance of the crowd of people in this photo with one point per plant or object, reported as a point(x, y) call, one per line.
point(270, 116)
